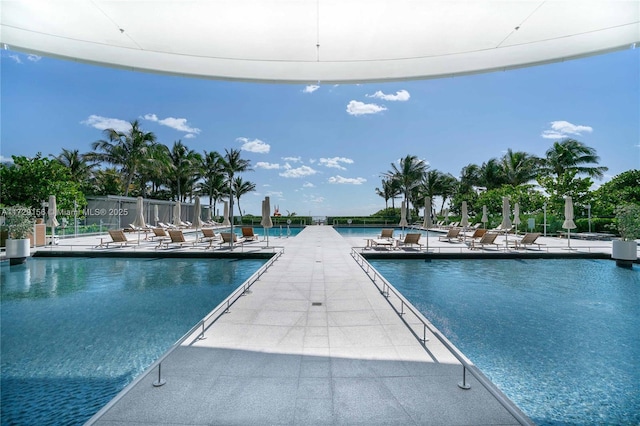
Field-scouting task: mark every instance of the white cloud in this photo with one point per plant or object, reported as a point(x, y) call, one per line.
point(308, 185)
point(33, 58)
point(360, 108)
point(255, 145)
point(335, 162)
point(314, 199)
point(343, 180)
point(310, 88)
point(267, 166)
point(275, 194)
point(401, 95)
point(4, 159)
point(293, 159)
point(564, 129)
point(298, 172)
point(179, 124)
point(15, 58)
point(102, 123)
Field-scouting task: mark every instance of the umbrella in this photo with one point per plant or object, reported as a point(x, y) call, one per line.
point(568, 219)
point(225, 219)
point(138, 222)
point(156, 215)
point(428, 223)
point(403, 216)
point(484, 219)
point(197, 220)
point(266, 217)
point(52, 221)
point(516, 216)
point(427, 217)
point(506, 221)
point(176, 214)
point(464, 220)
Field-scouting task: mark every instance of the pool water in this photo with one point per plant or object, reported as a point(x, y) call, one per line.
point(76, 331)
point(275, 232)
point(561, 337)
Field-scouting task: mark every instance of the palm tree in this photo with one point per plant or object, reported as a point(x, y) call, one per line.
point(470, 177)
point(213, 184)
point(560, 170)
point(240, 187)
point(185, 169)
point(491, 174)
point(389, 191)
point(432, 184)
point(129, 150)
point(156, 170)
point(448, 185)
point(407, 173)
point(232, 164)
point(519, 167)
point(571, 155)
point(77, 163)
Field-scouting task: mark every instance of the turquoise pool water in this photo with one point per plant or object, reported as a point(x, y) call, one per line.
point(560, 337)
point(275, 232)
point(75, 331)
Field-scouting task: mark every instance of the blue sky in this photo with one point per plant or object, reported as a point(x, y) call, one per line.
point(321, 149)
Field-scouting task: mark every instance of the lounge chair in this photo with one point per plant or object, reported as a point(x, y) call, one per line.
point(478, 233)
point(226, 238)
point(176, 237)
point(208, 234)
point(387, 243)
point(117, 237)
point(453, 233)
point(159, 233)
point(528, 239)
point(386, 233)
point(247, 234)
point(411, 240)
point(488, 239)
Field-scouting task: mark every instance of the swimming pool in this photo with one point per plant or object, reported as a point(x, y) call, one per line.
point(76, 331)
point(559, 337)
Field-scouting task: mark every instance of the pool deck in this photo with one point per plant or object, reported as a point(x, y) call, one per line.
point(315, 342)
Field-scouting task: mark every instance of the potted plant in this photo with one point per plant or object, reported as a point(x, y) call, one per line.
point(625, 250)
point(19, 222)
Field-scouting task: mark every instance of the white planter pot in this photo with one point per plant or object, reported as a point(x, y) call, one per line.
point(18, 250)
point(624, 252)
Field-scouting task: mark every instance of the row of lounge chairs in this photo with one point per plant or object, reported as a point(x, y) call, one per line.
point(387, 240)
point(166, 237)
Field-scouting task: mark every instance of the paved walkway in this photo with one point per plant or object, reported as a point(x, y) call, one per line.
point(314, 343)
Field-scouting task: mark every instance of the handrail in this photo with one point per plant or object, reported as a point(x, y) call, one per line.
point(211, 318)
point(467, 365)
point(466, 249)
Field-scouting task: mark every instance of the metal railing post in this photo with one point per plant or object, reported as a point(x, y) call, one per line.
point(463, 384)
point(160, 380)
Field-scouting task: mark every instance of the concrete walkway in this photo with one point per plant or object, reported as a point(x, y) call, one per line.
point(314, 343)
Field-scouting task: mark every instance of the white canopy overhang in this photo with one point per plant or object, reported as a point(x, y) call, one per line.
point(328, 41)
